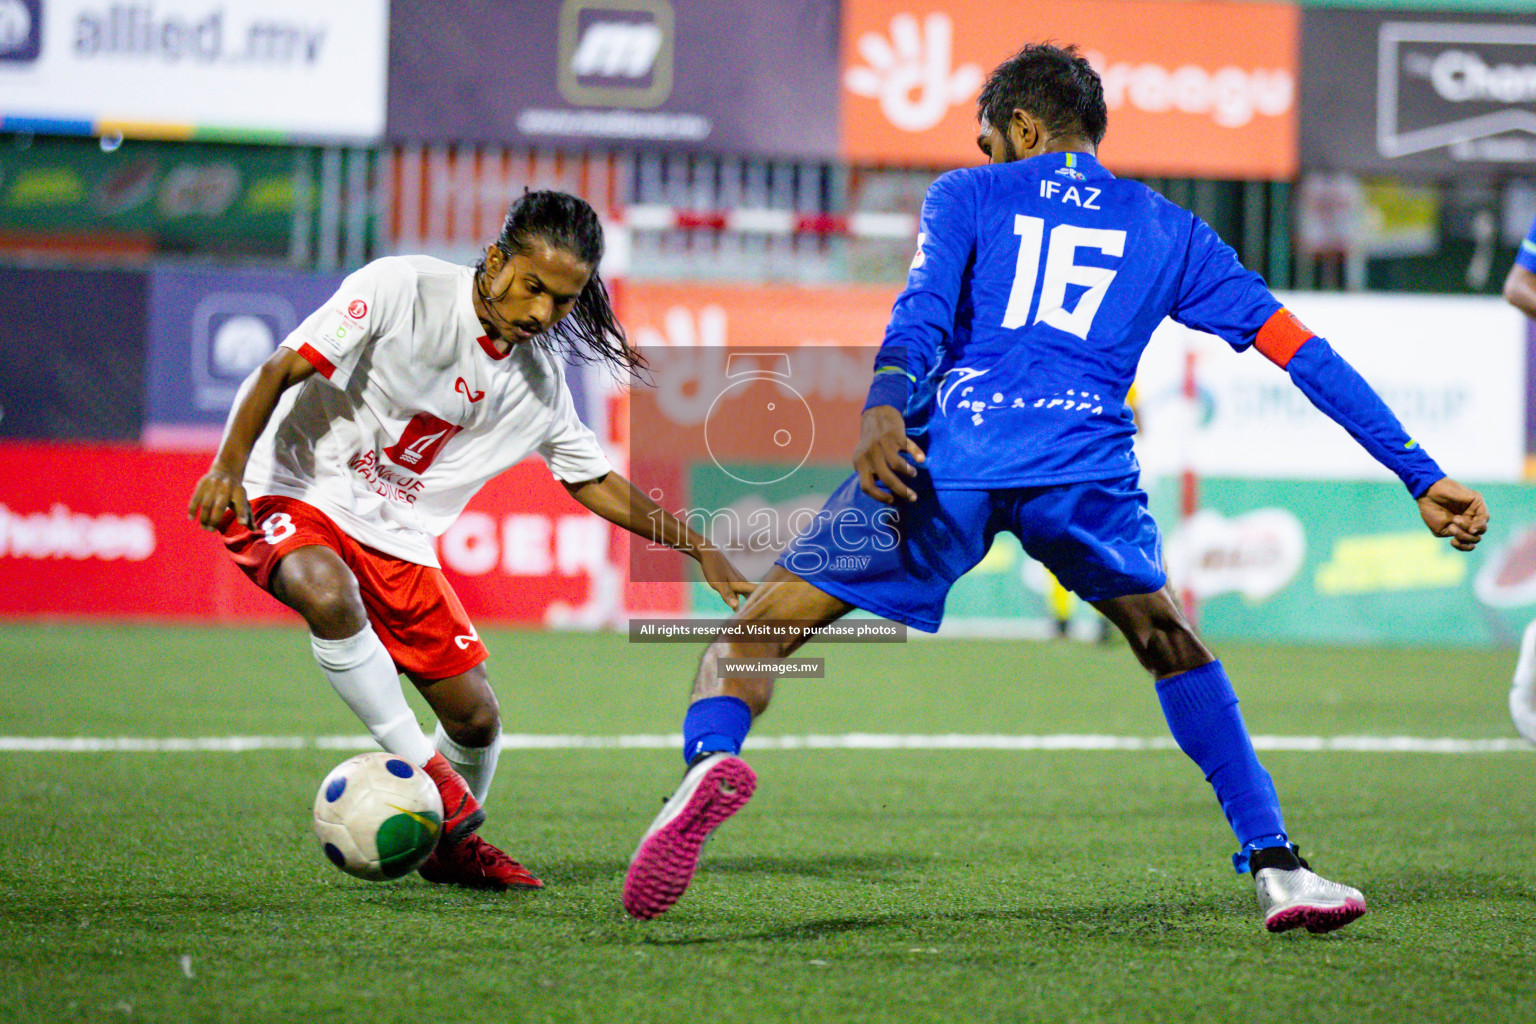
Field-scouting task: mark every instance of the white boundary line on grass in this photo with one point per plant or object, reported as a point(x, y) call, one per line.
point(843, 741)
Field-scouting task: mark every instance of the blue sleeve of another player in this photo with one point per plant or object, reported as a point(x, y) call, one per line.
point(1526, 257)
point(923, 319)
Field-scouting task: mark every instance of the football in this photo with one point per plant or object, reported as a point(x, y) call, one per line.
point(377, 816)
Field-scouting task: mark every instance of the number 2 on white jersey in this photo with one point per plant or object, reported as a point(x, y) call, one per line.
point(1060, 271)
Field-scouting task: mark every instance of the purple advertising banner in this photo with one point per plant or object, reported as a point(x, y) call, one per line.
point(208, 329)
point(71, 353)
point(751, 79)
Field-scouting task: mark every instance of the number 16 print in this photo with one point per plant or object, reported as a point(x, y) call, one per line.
point(1060, 271)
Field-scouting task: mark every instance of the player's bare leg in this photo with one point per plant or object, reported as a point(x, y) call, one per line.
point(1201, 709)
point(315, 582)
point(718, 783)
point(1159, 635)
point(468, 737)
point(468, 724)
point(784, 597)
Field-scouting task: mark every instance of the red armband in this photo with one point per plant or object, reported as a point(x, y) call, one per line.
point(318, 361)
point(1280, 337)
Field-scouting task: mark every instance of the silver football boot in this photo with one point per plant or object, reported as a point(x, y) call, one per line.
point(1301, 898)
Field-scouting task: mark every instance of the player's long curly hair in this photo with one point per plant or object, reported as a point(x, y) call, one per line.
point(1055, 84)
point(590, 332)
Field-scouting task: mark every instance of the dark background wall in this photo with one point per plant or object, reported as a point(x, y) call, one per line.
point(72, 353)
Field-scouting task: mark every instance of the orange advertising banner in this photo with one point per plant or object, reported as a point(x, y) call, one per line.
point(1195, 89)
point(719, 355)
point(658, 314)
point(750, 409)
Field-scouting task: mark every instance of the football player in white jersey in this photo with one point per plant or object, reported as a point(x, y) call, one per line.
point(364, 436)
point(1520, 292)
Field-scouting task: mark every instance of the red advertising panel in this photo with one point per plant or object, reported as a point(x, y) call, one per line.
point(102, 530)
point(524, 551)
point(98, 530)
point(1194, 89)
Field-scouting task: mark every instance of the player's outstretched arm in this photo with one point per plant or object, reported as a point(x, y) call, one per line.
point(619, 501)
point(1455, 511)
point(221, 489)
point(880, 457)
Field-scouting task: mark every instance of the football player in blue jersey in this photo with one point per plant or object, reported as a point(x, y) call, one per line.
point(999, 403)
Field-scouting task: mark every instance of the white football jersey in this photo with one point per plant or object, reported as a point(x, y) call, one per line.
point(413, 409)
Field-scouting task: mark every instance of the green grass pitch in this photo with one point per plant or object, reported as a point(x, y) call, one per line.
point(1086, 886)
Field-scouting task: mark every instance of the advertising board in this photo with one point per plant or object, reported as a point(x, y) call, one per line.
point(72, 353)
point(1417, 92)
point(178, 195)
point(1467, 411)
point(580, 74)
point(1193, 89)
point(208, 329)
point(1351, 562)
point(101, 531)
point(261, 70)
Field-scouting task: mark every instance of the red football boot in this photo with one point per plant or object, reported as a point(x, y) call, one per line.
point(461, 811)
point(476, 864)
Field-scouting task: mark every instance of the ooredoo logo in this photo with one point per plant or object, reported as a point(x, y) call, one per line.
point(357, 309)
point(1230, 96)
point(911, 74)
point(21, 30)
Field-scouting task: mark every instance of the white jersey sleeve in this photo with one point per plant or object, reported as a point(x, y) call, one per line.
point(372, 302)
point(570, 449)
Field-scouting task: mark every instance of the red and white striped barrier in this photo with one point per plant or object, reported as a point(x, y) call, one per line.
point(655, 217)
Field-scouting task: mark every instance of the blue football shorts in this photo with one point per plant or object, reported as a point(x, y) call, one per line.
point(899, 561)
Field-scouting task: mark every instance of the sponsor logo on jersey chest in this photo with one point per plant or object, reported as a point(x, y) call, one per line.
point(422, 441)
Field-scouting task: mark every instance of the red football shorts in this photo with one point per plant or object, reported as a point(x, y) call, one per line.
point(412, 607)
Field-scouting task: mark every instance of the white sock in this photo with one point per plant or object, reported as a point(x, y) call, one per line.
point(1522, 694)
point(477, 765)
point(363, 674)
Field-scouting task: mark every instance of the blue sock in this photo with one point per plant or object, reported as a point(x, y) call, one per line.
point(1202, 715)
point(715, 723)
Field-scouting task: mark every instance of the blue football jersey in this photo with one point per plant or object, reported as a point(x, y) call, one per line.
point(1036, 286)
